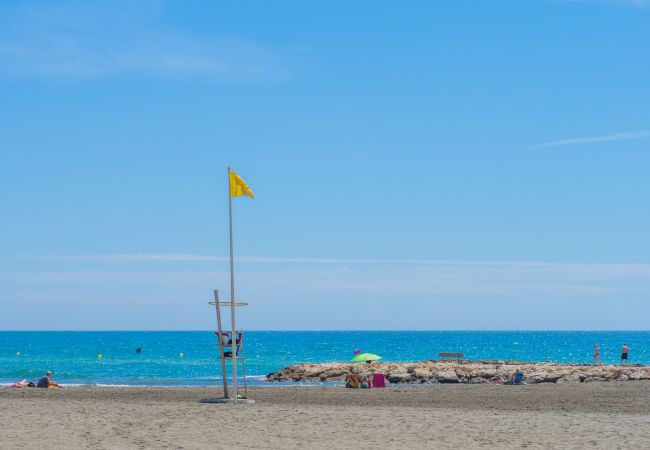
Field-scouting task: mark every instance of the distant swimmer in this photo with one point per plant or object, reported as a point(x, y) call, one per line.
point(596, 355)
point(624, 351)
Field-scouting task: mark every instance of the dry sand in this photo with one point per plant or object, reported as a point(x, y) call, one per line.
point(585, 415)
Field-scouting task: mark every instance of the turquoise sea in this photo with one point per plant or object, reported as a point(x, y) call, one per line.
point(72, 356)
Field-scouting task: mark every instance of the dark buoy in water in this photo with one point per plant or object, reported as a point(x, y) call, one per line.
point(138, 350)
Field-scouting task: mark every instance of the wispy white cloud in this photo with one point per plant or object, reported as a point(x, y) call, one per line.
point(190, 257)
point(632, 3)
point(90, 40)
point(341, 277)
point(129, 257)
point(587, 140)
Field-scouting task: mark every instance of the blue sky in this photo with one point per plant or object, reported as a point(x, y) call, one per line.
point(420, 165)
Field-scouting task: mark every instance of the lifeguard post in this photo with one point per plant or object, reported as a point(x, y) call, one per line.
point(236, 354)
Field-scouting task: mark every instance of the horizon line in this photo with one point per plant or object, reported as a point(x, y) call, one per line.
point(497, 330)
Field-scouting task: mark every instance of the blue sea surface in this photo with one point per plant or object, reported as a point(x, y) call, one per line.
point(73, 356)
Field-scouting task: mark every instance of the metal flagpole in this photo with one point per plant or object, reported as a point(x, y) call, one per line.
point(224, 374)
point(232, 295)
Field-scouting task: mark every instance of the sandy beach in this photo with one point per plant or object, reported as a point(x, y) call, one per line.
point(586, 415)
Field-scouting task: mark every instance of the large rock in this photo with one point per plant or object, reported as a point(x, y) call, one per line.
point(399, 377)
point(639, 375)
point(447, 376)
point(592, 379)
point(487, 372)
point(571, 378)
point(423, 373)
point(478, 380)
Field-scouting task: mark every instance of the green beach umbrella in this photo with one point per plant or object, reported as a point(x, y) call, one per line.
point(366, 357)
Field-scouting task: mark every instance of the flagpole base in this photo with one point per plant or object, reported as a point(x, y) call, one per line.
point(244, 401)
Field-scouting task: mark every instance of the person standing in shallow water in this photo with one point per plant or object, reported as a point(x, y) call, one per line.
point(596, 355)
point(624, 351)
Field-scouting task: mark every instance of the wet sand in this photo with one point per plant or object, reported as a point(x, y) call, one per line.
point(583, 415)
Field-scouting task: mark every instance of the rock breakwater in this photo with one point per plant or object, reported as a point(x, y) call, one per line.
point(433, 371)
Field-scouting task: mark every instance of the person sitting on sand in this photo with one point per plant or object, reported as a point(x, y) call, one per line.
point(353, 381)
point(46, 382)
point(624, 352)
point(596, 355)
point(517, 377)
point(226, 341)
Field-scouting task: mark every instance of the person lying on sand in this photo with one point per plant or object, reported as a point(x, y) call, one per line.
point(46, 382)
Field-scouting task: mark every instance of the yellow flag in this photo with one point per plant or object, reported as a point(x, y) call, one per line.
point(238, 186)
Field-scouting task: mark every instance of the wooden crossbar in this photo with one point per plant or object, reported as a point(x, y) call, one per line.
point(229, 303)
